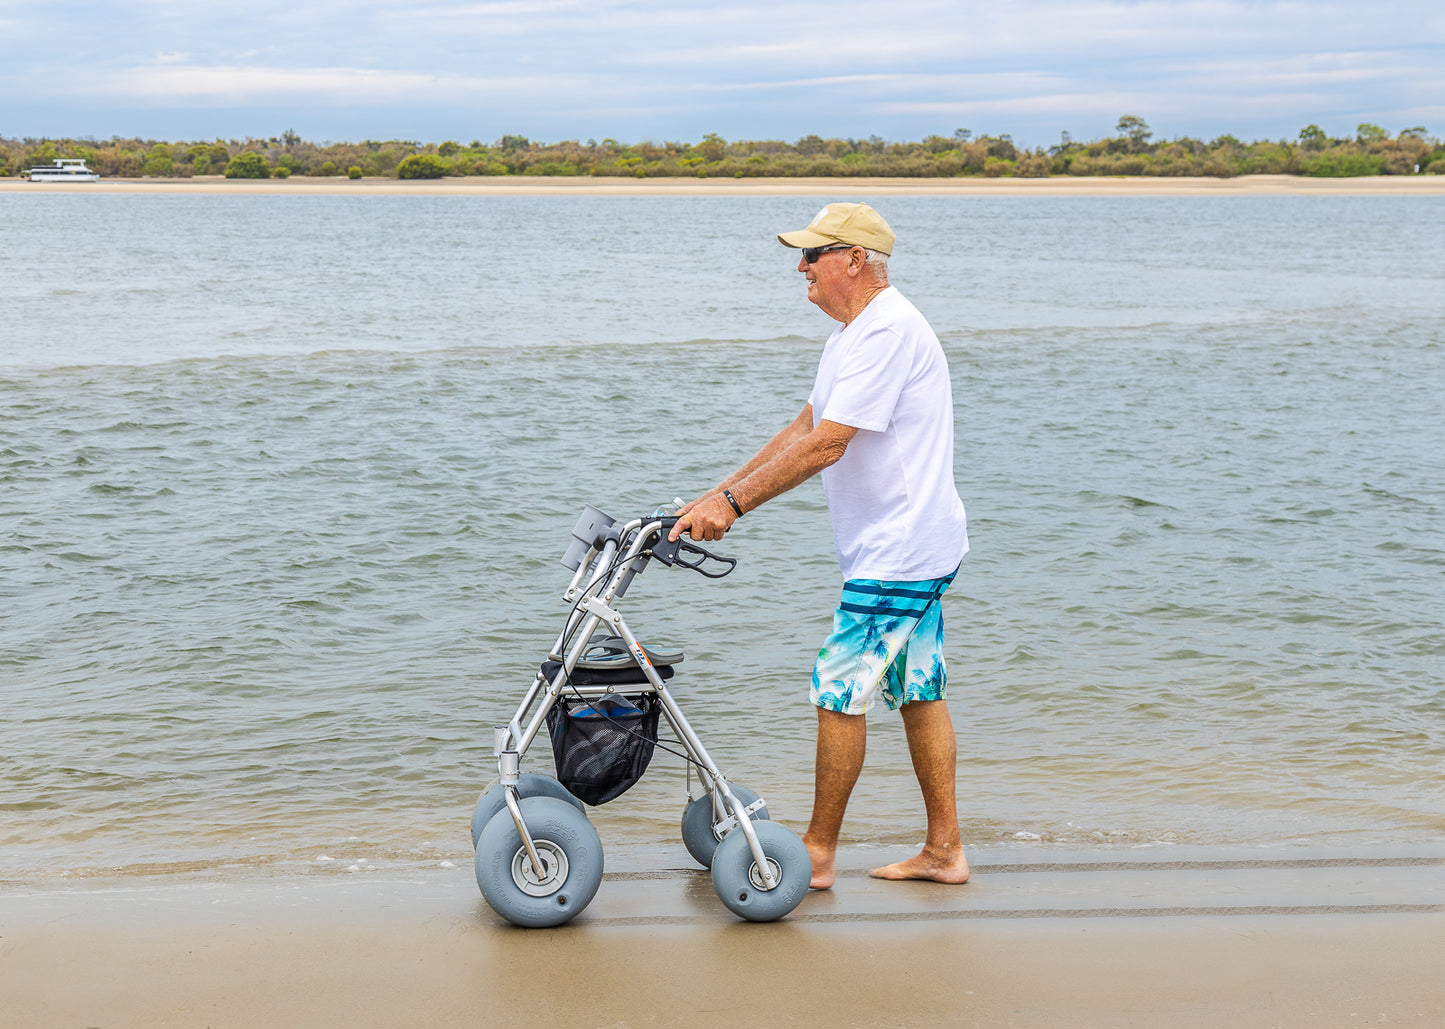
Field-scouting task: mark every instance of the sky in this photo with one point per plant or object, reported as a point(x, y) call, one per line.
point(635, 70)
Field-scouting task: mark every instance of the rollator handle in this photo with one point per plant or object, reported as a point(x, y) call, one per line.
point(679, 551)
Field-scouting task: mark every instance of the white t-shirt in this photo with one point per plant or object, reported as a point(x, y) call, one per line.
point(896, 512)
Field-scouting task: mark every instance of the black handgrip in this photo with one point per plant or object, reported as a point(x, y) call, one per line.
point(677, 552)
point(703, 557)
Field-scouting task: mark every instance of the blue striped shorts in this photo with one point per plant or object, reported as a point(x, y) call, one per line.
point(887, 641)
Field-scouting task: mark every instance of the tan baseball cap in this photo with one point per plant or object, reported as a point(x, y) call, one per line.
point(856, 225)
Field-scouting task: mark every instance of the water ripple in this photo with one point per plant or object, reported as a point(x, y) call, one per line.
point(262, 607)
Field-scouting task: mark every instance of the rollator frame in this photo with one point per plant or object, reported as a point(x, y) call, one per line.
point(606, 557)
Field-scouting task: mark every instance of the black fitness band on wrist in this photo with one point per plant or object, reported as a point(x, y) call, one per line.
point(733, 501)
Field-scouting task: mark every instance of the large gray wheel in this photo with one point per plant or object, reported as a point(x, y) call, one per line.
point(571, 857)
point(739, 883)
point(529, 784)
point(698, 835)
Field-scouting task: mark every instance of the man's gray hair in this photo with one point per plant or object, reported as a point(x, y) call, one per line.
point(878, 261)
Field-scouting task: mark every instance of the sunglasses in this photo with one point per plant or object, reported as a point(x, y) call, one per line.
point(811, 254)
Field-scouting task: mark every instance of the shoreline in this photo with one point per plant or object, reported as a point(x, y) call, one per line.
point(1170, 939)
point(513, 185)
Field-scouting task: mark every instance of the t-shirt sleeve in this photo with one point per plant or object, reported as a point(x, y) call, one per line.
point(871, 376)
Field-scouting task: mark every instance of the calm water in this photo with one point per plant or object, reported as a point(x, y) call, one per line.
point(284, 480)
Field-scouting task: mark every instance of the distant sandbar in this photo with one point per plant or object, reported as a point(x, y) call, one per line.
point(524, 185)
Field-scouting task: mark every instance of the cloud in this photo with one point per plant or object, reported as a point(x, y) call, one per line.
point(860, 37)
point(754, 68)
point(1106, 104)
point(190, 84)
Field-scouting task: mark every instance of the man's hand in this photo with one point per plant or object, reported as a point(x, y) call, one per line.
point(706, 518)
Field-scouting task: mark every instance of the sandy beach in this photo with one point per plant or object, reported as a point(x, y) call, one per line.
point(1156, 938)
point(1248, 185)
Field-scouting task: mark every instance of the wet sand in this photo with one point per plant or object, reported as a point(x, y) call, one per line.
point(1247, 185)
point(1147, 938)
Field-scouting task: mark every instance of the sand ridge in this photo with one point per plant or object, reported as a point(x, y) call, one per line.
point(523, 185)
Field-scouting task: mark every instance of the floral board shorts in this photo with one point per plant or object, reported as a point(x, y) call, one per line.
point(887, 641)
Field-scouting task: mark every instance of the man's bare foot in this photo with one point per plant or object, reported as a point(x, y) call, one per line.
point(949, 868)
point(824, 865)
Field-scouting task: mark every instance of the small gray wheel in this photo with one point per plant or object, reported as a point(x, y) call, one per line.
point(571, 857)
point(739, 882)
point(529, 784)
point(698, 835)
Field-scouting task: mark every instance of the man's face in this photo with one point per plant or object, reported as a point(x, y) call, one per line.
point(828, 278)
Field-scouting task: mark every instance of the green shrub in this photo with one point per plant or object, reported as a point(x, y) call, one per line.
point(1034, 166)
point(282, 172)
point(1340, 164)
point(249, 165)
point(1396, 157)
point(202, 158)
point(125, 165)
point(422, 166)
point(549, 168)
point(327, 168)
point(353, 172)
point(1266, 159)
point(1218, 167)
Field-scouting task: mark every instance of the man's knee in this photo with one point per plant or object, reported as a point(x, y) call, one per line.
point(927, 714)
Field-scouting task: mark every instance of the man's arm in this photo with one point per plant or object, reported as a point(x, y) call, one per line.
point(789, 434)
point(800, 427)
point(790, 458)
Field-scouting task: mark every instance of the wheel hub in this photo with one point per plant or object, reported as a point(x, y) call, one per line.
point(554, 869)
point(755, 874)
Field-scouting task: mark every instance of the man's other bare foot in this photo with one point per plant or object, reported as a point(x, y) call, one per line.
point(951, 868)
point(824, 864)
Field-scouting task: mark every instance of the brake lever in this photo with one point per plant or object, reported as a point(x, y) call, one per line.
point(703, 557)
point(671, 552)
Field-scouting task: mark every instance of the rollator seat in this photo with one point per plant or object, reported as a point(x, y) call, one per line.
point(608, 662)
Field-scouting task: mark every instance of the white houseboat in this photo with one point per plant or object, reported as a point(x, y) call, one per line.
point(64, 170)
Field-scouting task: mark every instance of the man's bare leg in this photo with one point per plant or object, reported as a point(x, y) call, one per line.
point(934, 750)
point(842, 739)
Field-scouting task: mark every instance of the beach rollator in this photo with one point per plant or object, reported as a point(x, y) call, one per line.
point(601, 695)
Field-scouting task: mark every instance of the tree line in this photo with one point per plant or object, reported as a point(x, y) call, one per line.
point(1372, 150)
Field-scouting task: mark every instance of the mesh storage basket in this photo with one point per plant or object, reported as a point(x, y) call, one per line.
point(602, 745)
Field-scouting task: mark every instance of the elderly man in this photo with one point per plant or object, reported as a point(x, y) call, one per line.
point(878, 425)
